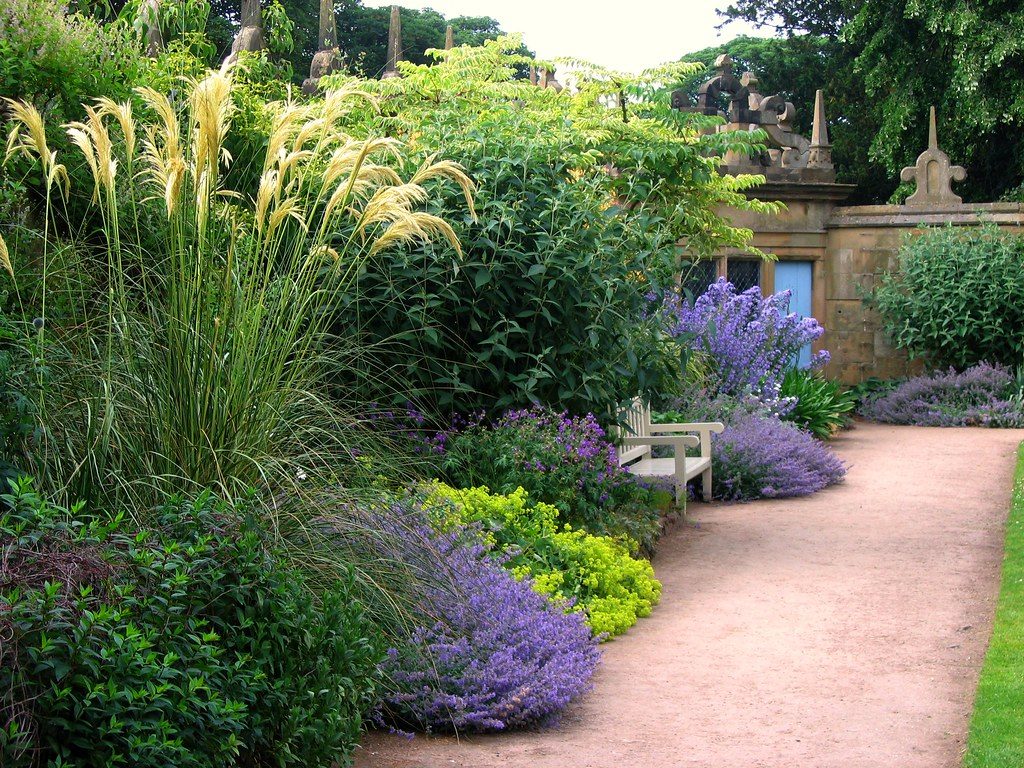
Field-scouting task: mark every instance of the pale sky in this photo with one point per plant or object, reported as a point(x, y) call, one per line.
point(628, 35)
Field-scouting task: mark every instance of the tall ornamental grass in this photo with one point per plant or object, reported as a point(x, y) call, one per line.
point(197, 361)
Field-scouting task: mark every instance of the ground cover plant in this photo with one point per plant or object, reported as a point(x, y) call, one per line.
point(954, 298)
point(983, 395)
point(758, 455)
point(485, 651)
point(596, 575)
point(995, 737)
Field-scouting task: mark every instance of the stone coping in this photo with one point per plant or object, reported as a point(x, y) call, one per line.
point(926, 215)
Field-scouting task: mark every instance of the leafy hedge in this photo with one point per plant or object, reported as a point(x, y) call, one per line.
point(188, 644)
point(955, 297)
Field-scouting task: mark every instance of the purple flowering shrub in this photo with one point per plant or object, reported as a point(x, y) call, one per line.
point(566, 461)
point(758, 455)
point(486, 652)
point(749, 339)
point(983, 395)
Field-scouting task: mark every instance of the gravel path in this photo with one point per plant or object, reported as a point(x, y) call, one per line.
point(845, 629)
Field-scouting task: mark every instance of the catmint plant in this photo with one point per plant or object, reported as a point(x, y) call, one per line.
point(750, 339)
point(488, 652)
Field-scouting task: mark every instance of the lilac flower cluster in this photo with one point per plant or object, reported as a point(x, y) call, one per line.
point(567, 461)
point(494, 654)
point(758, 456)
point(979, 396)
point(750, 339)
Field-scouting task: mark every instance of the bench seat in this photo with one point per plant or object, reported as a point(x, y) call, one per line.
point(639, 436)
point(648, 467)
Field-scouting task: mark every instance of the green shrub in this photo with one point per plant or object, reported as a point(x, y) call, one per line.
point(50, 57)
point(955, 298)
point(598, 573)
point(819, 406)
point(188, 644)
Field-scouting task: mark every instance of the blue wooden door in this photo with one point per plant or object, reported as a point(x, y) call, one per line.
point(796, 276)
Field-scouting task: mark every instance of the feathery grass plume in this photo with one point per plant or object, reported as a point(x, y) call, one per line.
point(5, 257)
point(27, 137)
point(206, 366)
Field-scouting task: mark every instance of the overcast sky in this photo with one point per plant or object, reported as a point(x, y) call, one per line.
point(626, 35)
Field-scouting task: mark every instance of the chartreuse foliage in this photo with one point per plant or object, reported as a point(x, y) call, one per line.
point(995, 738)
point(580, 209)
point(190, 643)
point(597, 573)
point(954, 297)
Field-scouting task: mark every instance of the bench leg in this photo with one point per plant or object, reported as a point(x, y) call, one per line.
point(705, 484)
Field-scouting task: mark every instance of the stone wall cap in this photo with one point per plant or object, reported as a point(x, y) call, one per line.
point(919, 215)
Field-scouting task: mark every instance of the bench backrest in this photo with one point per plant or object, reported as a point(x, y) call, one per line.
point(638, 424)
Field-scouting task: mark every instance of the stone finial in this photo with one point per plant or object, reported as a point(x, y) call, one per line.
point(149, 15)
point(533, 74)
point(724, 64)
point(394, 44)
point(752, 83)
point(326, 59)
point(449, 38)
point(250, 36)
point(819, 155)
point(934, 173)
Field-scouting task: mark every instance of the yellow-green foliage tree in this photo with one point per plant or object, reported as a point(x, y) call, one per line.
point(583, 198)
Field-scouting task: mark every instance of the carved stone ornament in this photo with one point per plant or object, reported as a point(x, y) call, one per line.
point(933, 173)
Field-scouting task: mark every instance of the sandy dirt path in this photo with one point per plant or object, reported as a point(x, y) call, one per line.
point(845, 629)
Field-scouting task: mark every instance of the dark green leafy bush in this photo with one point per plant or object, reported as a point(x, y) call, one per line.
point(546, 306)
point(189, 644)
point(955, 299)
point(817, 405)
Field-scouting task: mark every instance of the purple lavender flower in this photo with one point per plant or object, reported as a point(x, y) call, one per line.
point(759, 456)
point(494, 653)
point(751, 339)
point(980, 396)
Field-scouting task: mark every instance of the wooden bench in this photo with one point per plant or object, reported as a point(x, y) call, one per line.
point(640, 435)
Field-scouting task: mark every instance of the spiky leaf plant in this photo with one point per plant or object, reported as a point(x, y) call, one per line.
point(198, 364)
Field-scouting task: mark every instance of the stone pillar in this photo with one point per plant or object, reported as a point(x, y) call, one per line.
point(394, 44)
point(449, 38)
point(149, 15)
point(326, 59)
point(250, 36)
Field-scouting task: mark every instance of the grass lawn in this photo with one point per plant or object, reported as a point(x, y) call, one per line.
point(996, 738)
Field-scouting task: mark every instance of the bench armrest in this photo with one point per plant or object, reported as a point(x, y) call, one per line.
point(702, 428)
point(677, 441)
